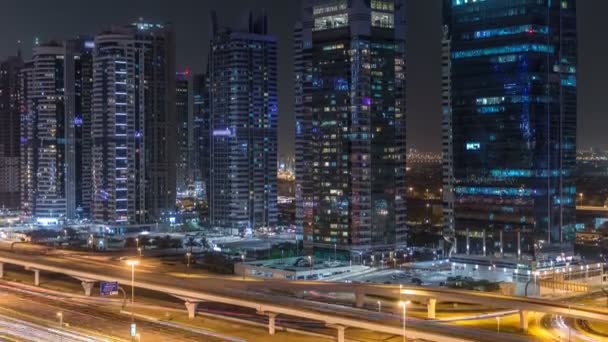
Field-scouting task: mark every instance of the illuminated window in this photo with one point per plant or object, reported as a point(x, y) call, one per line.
point(383, 5)
point(473, 146)
point(384, 20)
point(331, 22)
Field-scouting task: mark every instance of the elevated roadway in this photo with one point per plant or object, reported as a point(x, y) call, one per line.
point(254, 295)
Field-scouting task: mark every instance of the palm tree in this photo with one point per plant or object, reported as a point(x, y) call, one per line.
point(191, 242)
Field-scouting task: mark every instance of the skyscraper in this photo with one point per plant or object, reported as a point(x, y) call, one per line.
point(56, 101)
point(134, 124)
point(513, 115)
point(184, 130)
point(243, 127)
point(449, 232)
point(10, 123)
point(201, 135)
point(78, 107)
point(350, 126)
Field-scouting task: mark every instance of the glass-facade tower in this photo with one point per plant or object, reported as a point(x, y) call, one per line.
point(243, 127)
point(350, 126)
point(513, 124)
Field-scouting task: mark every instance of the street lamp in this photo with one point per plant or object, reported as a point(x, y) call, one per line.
point(60, 316)
point(243, 262)
point(132, 263)
point(139, 250)
point(188, 255)
point(498, 324)
point(335, 252)
point(379, 306)
point(404, 304)
point(310, 263)
point(137, 243)
point(581, 197)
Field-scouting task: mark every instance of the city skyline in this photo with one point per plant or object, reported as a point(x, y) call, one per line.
point(298, 170)
point(193, 32)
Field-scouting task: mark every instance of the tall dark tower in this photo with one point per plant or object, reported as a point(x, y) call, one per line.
point(350, 126)
point(10, 122)
point(513, 125)
point(243, 127)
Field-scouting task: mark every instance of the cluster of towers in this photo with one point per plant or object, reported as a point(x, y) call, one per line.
point(104, 128)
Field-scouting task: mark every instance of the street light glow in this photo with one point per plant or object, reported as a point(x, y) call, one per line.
point(132, 262)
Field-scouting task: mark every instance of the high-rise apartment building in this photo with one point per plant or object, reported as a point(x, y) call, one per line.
point(134, 124)
point(56, 85)
point(449, 232)
point(513, 124)
point(350, 126)
point(10, 123)
point(185, 123)
point(201, 135)
point(243, 127)
point(78, 114)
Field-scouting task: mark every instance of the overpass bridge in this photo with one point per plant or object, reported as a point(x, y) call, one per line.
point(250, 294)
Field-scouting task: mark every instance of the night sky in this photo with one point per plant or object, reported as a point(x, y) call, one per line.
point(59, 19)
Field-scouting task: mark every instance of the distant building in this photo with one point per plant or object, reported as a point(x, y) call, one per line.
point(79, 139)
point(350, 126)
point(134, 124)
point(10, 123)
point(201, 135)
point(513, 125)
point(447, 133)
point(56, 101)
point(243, 127)
point(184, 131)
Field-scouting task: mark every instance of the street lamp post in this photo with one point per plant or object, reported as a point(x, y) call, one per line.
point(132, 263)
point(188, 255)
point(581, 198)
point(137, 243)
point(60, 316)
point(498, 324)
point(404, 305)
point(243, 262)
point(310, 263)
point(335, 253)
point(379, 306)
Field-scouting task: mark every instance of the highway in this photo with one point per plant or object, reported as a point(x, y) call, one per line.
point(12, 328)
point(255, 295)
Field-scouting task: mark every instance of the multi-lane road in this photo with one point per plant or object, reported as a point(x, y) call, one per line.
point(265, 296)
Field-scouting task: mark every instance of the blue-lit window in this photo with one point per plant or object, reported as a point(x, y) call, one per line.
point(512, 30)
point(465, 2)
point(503, 50)
point(491, 109)
point(473, 146)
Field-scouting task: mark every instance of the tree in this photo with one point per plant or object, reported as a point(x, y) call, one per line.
point(191, 242)
point(163, 242)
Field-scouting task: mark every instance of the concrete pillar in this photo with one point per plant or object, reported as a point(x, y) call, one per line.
point(1, 270)
point(483, 236)
point(340, 333)
point(36, 277)
point(523, 320)
point(340, 330)
point(359, 298)
point(271, 323)
point(430, 306)
point(468, 242)
point(87, 286)
point(191, 307)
